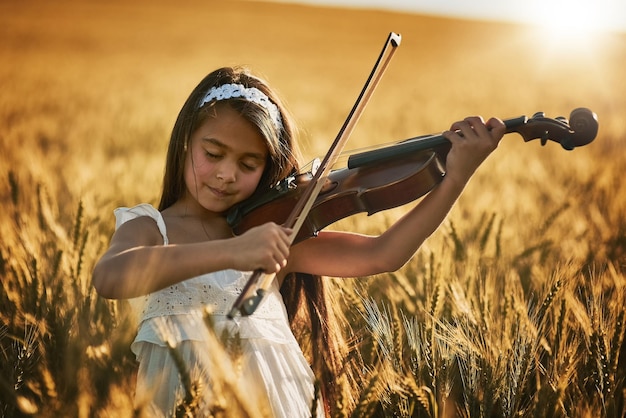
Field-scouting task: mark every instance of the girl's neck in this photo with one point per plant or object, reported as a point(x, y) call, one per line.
point(190, 222)
point(190, 208)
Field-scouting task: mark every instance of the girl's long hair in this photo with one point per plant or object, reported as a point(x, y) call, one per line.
point(312, 315)
point(311, 303)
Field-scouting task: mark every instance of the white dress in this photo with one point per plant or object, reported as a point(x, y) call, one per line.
point(272, 367)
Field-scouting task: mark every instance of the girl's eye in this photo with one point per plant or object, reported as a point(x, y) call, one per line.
point(248, 166)
point(212, 155)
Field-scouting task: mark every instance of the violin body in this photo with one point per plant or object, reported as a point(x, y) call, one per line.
point(391, 176)
point(347, 191)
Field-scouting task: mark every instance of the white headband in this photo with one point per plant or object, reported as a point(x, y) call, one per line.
point(252, 94)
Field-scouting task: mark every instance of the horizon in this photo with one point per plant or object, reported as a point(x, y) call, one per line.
point(574, 16)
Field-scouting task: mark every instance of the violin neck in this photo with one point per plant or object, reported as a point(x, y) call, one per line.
point(437, 143)
point(408, 146)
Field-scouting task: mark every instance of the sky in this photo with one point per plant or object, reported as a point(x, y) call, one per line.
point(573, 15)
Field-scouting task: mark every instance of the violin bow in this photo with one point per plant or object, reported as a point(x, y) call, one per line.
point(258, 283)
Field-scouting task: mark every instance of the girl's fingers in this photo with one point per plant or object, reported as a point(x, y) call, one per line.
point(470, 126)
point(496, 127)
point(282, 248)
point(474, 127)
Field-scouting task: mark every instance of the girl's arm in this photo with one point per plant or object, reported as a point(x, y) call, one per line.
point(341, 254)
point(137, 262)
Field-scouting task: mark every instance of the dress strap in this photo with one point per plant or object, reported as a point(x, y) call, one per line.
point(124, 214)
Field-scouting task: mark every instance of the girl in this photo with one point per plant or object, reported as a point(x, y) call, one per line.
point(232, 138)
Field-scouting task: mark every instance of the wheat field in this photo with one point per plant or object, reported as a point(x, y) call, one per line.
point(514, 307)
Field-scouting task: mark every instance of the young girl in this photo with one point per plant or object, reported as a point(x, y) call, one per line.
point(232, 138)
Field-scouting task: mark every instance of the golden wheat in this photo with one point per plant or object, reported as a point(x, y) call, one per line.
point(513, 308)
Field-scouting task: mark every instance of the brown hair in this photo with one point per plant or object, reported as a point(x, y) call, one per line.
point(312, 315)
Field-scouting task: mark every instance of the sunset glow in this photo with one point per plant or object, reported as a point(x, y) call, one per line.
point(575, 16)
point(572, 20)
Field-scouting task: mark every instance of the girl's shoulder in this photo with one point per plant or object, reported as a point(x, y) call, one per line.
point(125, 214)
point(141, 223)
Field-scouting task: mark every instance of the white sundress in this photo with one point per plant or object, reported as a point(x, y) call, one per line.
point(272, 367)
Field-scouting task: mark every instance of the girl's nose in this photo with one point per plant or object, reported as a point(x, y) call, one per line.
point(226, 173)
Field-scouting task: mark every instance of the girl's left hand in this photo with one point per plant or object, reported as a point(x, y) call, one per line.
point(472, 141)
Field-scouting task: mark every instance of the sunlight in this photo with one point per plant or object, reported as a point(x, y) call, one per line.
point(571, 23)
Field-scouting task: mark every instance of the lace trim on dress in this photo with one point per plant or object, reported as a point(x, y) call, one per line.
point(215, 291)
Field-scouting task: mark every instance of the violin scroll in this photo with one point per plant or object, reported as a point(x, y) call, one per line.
point(584, 122)
point(579, 130)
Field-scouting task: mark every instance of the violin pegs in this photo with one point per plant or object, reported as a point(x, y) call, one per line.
point(567, 144)
point(539, 115)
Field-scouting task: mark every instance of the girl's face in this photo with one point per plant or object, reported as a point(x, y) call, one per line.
point(225, 160)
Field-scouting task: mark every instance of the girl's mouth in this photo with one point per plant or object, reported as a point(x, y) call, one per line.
point(221, 193)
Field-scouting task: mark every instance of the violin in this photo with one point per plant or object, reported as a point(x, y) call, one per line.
point(391, 176)
point(374, 180)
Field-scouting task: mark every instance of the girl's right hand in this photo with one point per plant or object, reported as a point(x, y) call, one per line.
point(264, 247)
